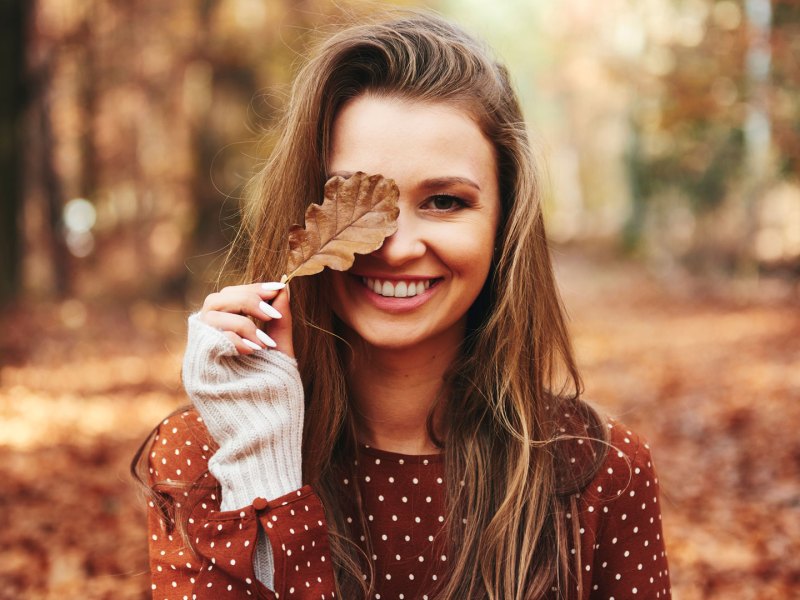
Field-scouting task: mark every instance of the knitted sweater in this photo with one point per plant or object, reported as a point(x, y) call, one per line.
point(621, 543)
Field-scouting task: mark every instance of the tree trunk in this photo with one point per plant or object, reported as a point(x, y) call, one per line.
point(758, 126)
point(13, 30)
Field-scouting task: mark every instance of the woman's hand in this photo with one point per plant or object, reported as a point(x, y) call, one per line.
point(229, 310)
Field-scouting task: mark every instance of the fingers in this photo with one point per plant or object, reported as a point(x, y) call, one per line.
point(240, 330)
point(281, 330)
point(230, 309)
point(251, 300)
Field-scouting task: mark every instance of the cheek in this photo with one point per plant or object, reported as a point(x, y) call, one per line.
point(470, 255)
point(334, 291)
point(338, 294)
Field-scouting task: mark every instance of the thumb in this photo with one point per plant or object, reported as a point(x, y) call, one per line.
point(280, 330)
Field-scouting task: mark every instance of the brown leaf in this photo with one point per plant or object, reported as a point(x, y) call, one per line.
point(356, 215)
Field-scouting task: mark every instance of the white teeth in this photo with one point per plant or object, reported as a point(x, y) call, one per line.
point(398, 289)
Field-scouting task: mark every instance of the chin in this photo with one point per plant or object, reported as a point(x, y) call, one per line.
point(389, 339)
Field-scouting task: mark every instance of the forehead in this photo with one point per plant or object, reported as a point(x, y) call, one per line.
point(393, 136)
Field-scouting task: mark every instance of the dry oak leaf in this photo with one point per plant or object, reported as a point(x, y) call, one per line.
point(356, 215)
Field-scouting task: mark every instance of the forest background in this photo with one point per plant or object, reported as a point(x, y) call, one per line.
point(672, 133)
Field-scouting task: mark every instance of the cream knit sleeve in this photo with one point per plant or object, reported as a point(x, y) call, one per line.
point(253, 407)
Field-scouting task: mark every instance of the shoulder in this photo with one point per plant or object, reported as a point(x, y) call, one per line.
point(592, 449)
point(627, 472)
point(180, 448)
point(628, 455)
point(581, 443)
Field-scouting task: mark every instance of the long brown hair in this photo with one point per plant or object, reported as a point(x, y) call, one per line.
point(508, 485)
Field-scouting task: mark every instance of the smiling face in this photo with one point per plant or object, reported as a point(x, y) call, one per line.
point(418, 286)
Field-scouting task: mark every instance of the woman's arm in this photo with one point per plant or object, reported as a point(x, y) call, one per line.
point(250, 399)
point(220, 562)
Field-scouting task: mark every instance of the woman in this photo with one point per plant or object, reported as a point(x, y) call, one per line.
point(432, 410)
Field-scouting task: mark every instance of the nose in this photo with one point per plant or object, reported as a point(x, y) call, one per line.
point(405, 244)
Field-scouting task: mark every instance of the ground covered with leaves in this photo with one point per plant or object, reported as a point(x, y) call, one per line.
point(708, 373)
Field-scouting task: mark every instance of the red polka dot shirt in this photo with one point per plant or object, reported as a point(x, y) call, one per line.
point(622, 546)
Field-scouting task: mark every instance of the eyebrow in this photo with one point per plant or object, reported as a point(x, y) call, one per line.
point(439, 182)
point(428, 184)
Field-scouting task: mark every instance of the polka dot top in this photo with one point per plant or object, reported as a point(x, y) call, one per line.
point(621, 543)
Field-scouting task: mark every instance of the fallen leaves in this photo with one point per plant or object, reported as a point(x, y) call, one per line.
point(356, 215)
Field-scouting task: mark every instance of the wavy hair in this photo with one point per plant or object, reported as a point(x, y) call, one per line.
point(508, 484)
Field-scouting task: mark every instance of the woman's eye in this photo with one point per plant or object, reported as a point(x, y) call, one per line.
point(443, 202)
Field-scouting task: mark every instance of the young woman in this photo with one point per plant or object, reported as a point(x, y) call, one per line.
point(410, 428)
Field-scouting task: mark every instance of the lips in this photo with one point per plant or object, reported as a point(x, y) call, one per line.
point(397, 288)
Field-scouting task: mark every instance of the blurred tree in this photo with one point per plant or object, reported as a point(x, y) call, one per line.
point(784, 98)
point(13, 29)
point(716, 133)
point(688, 126)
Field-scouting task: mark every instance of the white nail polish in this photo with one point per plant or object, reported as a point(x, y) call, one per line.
point(250, 344)
point(269, 311)
point(273, 286)
point(265, 338)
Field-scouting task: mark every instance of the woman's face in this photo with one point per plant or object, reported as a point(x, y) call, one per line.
point(419, 285)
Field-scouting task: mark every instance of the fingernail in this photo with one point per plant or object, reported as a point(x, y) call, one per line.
point(265, 338)
point(273, 286)
point(250, 344)
point(270, 311)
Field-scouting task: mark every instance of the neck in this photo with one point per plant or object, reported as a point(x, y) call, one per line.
point(394, 390)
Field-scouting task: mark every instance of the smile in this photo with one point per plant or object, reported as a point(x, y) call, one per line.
point(397, 288)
